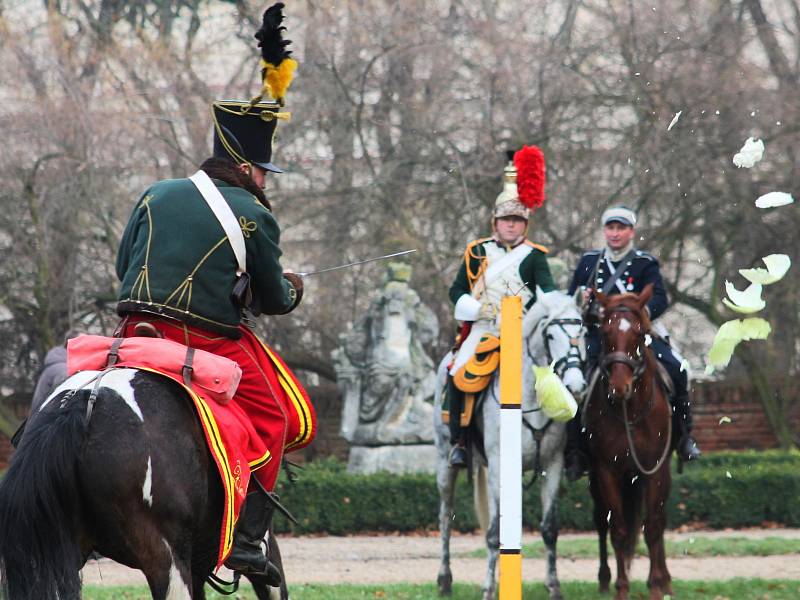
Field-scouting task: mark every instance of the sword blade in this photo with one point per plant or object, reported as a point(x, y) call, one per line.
point(355, 263)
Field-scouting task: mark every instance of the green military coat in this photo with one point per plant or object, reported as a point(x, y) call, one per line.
point(175, 260)
point(533, 269)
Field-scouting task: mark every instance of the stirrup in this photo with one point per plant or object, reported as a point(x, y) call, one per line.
point(458, 457)
point(577, 465)
point(688, 448)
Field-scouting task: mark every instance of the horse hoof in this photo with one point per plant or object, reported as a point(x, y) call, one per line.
point(555, 593)
point(445, 583)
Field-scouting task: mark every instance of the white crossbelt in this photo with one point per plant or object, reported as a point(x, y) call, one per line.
point(497, 268)
point(222, 210)
point(481, 326)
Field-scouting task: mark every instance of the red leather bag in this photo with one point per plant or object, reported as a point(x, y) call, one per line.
point(210, 375)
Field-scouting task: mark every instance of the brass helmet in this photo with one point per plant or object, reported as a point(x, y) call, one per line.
point(523, 184)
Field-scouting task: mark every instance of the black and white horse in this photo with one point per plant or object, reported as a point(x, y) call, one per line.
point(125, 473)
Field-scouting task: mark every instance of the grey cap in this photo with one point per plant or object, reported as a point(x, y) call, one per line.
point(620, 214)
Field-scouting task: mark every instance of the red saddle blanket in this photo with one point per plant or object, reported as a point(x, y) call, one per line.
point(230, 435)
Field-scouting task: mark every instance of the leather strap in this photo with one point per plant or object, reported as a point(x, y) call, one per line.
point(113, 353)
point(187, 367)
point(613, 278)
point(496, 269)
point(219, 206)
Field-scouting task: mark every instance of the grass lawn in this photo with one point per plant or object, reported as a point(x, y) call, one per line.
point(737, 589)
point(701, 546)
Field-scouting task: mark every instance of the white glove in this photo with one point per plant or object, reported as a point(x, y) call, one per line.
point(467, 308)
point(488, 312)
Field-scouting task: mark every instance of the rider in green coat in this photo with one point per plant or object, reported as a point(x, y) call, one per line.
point(506, 263)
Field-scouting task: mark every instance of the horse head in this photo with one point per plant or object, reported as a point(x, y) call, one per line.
point(624, 326)
point(553, 334)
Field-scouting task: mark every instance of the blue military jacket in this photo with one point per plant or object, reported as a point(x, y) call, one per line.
point(639, 270)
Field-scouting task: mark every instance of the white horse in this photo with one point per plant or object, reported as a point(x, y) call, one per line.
point(552, 334)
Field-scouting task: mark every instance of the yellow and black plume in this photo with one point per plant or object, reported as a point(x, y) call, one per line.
point(277, 68)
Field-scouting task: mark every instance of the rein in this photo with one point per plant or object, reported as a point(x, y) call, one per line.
point(631, 445)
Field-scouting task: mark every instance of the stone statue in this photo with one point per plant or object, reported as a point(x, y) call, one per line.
point(387, 380)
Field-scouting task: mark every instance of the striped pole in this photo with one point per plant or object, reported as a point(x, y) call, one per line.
point(511, 449)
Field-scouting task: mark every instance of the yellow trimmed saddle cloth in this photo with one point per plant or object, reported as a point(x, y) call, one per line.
point(475, 376)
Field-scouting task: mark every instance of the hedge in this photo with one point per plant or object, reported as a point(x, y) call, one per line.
point(725, 489)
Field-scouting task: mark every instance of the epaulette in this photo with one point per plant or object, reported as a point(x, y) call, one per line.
point(643, 254)
point(592, 252)
point(539, 247)
point(474, 243)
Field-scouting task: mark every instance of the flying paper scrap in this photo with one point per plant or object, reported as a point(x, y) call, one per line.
point(750, 154)
point(729, 336)
point(747, 302)
point(674, 120)
point(774, 199)
point(777, 266)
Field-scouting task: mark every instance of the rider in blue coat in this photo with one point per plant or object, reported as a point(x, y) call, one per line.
point(599, 270)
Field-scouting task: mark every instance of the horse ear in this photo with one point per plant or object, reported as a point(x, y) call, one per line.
point(645, 296)
point(577, 297)
point(601, 297)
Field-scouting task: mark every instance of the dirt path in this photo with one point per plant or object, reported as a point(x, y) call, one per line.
point(415, 559)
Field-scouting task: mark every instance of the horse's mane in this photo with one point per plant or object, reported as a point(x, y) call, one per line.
point(551, 305)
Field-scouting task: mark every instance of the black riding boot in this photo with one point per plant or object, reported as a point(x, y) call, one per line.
point(576, 463)
point(682, 425)
point(248, 556)
point(458, 455)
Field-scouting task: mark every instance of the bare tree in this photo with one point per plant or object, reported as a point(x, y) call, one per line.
point(402, 113)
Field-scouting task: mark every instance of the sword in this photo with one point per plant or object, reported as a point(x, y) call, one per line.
point(353, 264)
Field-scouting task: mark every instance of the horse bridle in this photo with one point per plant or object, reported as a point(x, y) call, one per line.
point(636, 365)
point(572, 359)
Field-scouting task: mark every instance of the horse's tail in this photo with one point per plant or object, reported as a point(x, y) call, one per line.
point(480, 495)
point(39, 501)
point(632, 498)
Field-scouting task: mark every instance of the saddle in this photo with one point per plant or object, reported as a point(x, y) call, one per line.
point(474, 376)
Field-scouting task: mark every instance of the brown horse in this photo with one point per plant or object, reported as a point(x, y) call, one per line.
point(628, 421)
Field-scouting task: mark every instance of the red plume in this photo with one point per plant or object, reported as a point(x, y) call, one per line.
point(530, 176)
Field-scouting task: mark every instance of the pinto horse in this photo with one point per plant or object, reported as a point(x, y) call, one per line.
point(121, 469)
point(628, 421)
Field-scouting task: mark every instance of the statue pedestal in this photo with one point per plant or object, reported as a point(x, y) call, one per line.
point(412, 458)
